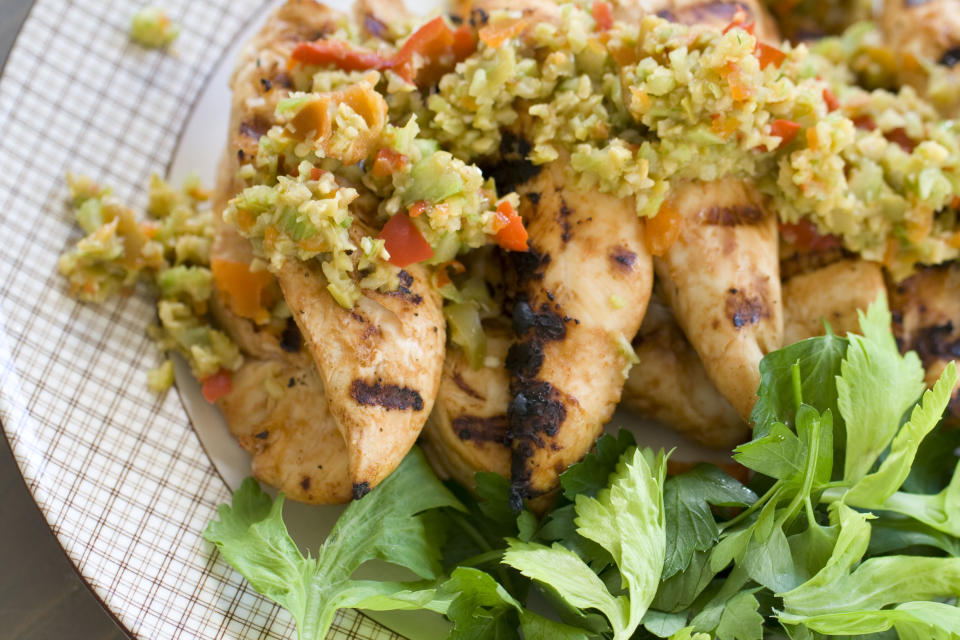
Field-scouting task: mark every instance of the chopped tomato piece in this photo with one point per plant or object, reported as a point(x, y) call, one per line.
point(602, 15)
point(244, 289)
point(418, 208)
point(804, 236)
point(511, 234)
point(404, 242)
point(663, 229)
point(495, 35)
point(786, 130)
point(217, 386)
point(388, 162)
point(769, 55)
point(832, 103)
point(438, 46)
point(337, 53)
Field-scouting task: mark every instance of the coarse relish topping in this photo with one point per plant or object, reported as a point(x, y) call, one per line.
point(633, 106)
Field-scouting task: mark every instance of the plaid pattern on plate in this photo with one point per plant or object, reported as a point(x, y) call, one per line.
point(118, 472)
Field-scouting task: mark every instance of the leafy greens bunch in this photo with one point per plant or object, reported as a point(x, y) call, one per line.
point(849, 527)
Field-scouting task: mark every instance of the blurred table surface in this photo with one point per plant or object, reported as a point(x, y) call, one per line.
point(41, 595)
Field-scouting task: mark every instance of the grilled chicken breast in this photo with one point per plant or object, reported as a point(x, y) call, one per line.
point(834, 294)
point(277, 411)
point(670, 385)
point(582, 292)
point(923, 28)
point(468, 429)
point(713, 14)
point(721, 278)
point(926, 319)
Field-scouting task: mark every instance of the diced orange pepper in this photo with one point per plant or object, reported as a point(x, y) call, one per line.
point(740, 20)
point(602, 15)
point(812, 137)
point(663, 229)
point(404, 242)
point(739, 90)
point(510, 234)
point(786, 130)
point(494, 35)
point(244, 289)
point(388, 162)
point(831, 100)
point(769, 55)
point(418, 208)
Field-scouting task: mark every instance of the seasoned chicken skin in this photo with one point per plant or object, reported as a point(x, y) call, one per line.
point(713, 14)
point(670, 385)
point(277, 411)
point(721, 278)
point(468, 429)
point(926, 319)
point(923, 28)
point(582, 292)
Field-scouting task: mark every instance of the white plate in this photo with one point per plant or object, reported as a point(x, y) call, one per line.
point(119, 473)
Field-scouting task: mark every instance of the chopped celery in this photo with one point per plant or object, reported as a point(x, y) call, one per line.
point(466, 331)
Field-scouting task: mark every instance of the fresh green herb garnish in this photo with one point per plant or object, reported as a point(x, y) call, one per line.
point(850, 526)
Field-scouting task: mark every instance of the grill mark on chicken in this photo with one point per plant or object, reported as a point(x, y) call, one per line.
point(733, 216)
point(403, 290)
point(525, 358)
point(388, 396)
point(563, 218)
point(305, 483)
point(937, 342)
point(623, 258)
point(545, 325)
point(950, 57)
point(537, 409)
point(483, 429)
point(744, 309)
point(360, 489)
point(465, 387)
point(247, 139)
point(291, 339)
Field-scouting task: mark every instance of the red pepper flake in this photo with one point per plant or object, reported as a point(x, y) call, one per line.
point(900, 137)
point(785, 129)
point(832, 103)
point(511, 234)
point(388, 162)
point(865, 122)
point(404, 242)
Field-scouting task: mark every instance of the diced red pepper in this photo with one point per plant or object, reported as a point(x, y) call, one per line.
point(900, 137)
point(404, 242)
point(217, 386)
point(865, 122)
point(316, 173)
point(388, 162)
point(495, 35)
point(438, 46)
point(602, 15)
point(769, 55)
point(804, 236)
point(784, 129)
point(338, 53)
point(511, 234)
point(832, 103)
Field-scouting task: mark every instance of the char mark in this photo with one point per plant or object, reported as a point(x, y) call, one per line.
point(951, 57)
point(512, 168)
point(374, 26)
point(388, 396)
point(403, 289)
point(524, 359)
point(360, 489)
point(465, 387)
point(546, 325)
point(623, 258)
point(738, 214)
point(939, 342)
point(482, 429)
point(743, 309)
point(291, 340)
point(537, 410)
point(263, 435)
point(528, 265)
point(253, 128)
point(533, 197)
point(305, 483)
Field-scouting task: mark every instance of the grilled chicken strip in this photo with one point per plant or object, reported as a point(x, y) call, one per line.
point(926, 319)
point(924, 28)
point(380, 362)
point(277, 411)
point(713, 14)
point(721, 278)
point(587, 258)
point(467, 431)
point(833, 293)
point(671, 386)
